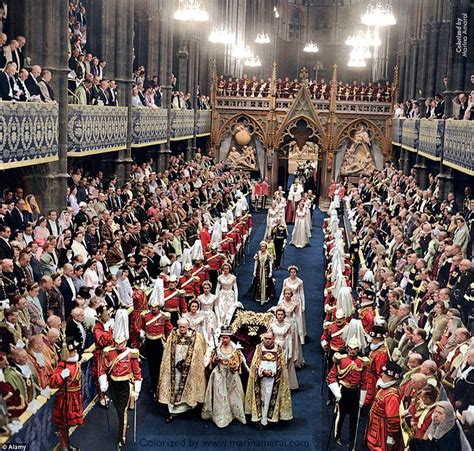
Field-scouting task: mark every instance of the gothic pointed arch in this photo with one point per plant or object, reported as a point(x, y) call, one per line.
point(353, 125)
point(230, 123)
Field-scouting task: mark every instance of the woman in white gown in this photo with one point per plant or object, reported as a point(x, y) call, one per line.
point(272, 215)
point(308, 203)
point(282, 330)
point(300, 237)
point(296, 285)
point(224, 399)
point(208, 303)
point(195, 317)
point(291, 305)
point(227, 296)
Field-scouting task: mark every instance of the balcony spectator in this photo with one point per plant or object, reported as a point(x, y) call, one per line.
point(188, 102)
point(3, 41)
point(32, 81)
point(3, 14)
point(25, 95)
point(150, 98)
point(87, 62)
point(439, 106)
point(82, 94)
point(103, 98)
point(9, 89)
point(469, 114)
point(102, 65)
point(94, 66)
point(112, 93)
point(11, 52)
point(81, 16)
point(47, 93)
point(158, 96)
point(21, 44)
point(136, 101)
point(141, 93)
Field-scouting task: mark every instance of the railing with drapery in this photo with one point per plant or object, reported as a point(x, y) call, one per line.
point(459, 145)
point(29, 130)
point(28, 133)
point(410, 131)
point(182, 124)
point(148, 126)
point(203, 123)
point(449, 141)
point(96, 129)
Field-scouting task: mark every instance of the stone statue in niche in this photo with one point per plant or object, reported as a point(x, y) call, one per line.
point(358, 158)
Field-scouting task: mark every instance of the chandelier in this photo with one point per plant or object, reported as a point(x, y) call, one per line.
point(357, 57)
point(262, 38)
point(253, 61)
point(191, 11)
point(364, 39)
point(221, 35)
point(356, 63)
point(379, 15)
point(276, 13)
point(311, 47)
point(240, 51)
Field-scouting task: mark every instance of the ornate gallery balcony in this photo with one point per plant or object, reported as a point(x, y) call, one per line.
point(29, 131)
point(283, 104)
point(449, 141)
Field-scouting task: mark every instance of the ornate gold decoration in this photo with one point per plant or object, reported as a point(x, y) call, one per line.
point(251, 319)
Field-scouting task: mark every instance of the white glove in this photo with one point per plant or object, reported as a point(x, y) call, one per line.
point(103, 383)
point(46, 392)
point(111, 322)
point(336, 390)
point(107, 326)
point(396, 355)
point(324, 343)
point(20, 344)
point(33, 406)
point(142, 334)
point(137, 387)
point(65, 373)
point(390, 440)
point(363, 394)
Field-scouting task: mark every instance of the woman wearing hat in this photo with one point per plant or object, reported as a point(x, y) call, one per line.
point(224, 399)
point(208, 303)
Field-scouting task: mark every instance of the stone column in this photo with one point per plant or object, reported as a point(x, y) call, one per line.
point(421, 171)
point(165, 149)
point(124, 68)
point(406, 167)
point(433, 60)
point(424, 52)
point(446, 180)
point(401, 160)
point(48, 181)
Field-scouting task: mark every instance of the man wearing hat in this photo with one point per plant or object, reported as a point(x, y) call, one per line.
point(155, 328)
point(279, 235)
point(347, 382)
point(189, 283)
point(174, 301)
point(165, 265)
point(378, 357)
point(367, 310)
point(103, 337)
point(182, 383)
point(214, 260)
point(121, 368)
point(200, 270)
point(15, 401)
point(268, 396)
point(67, 409)
point(332, 339)
point(383, 428)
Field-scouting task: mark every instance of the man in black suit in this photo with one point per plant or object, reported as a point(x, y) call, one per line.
point(103, 96)
point(17, 220)
point(32, 81)
point(52, 223)
point(9, 89)
point(112, 93)
point(111, 296)
point(439, 108)
point(67, 288)
point(6, 249)
point(75, 328)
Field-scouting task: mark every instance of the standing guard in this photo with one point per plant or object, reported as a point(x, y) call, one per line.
point(279, 235)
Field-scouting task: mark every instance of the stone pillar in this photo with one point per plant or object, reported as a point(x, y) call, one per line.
point(413, 68)
point(446, 179)
point(421, 171)
point(424, 52)
point(401, 160)
point(406, 167)
point(48, 181)
point(165, 149)
point(124, 68)
point(433, 60)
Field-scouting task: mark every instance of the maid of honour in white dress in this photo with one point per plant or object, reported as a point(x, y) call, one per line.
point(227, 296)
point(301, 233)
point(208, 303)
point(296, 285)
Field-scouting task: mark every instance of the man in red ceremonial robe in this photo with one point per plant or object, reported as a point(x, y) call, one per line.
point(383, 428)
point(67, 409)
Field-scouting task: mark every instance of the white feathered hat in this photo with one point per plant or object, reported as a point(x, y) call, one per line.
point(121, 329)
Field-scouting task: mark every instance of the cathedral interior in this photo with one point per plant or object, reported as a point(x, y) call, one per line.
point(94, 90)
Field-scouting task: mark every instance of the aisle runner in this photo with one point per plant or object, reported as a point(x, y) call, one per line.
point(190, 432)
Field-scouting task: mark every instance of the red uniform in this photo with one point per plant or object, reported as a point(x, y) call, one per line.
point(227, 246)
point(175, 304)
point(121, 364)
point(378, 359)
point(67, 409)
point(205, 238)
point(333, 335)
point(349, 372)
point(190, 285)
point(384, 420)
point(102, 339)
point(140, 303)
point(201, 272)
point(156, 326)
point(367, 316)
point(214, 260)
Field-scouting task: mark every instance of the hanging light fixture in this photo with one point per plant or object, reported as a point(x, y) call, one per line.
point(276, 13)
point(311, 47)
point(221, 35)
point(364, 39)
point(356, 63)
point(191, 11)
point(379, 15)
point(253, 61)
point(240, 51)
point(262, 38)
